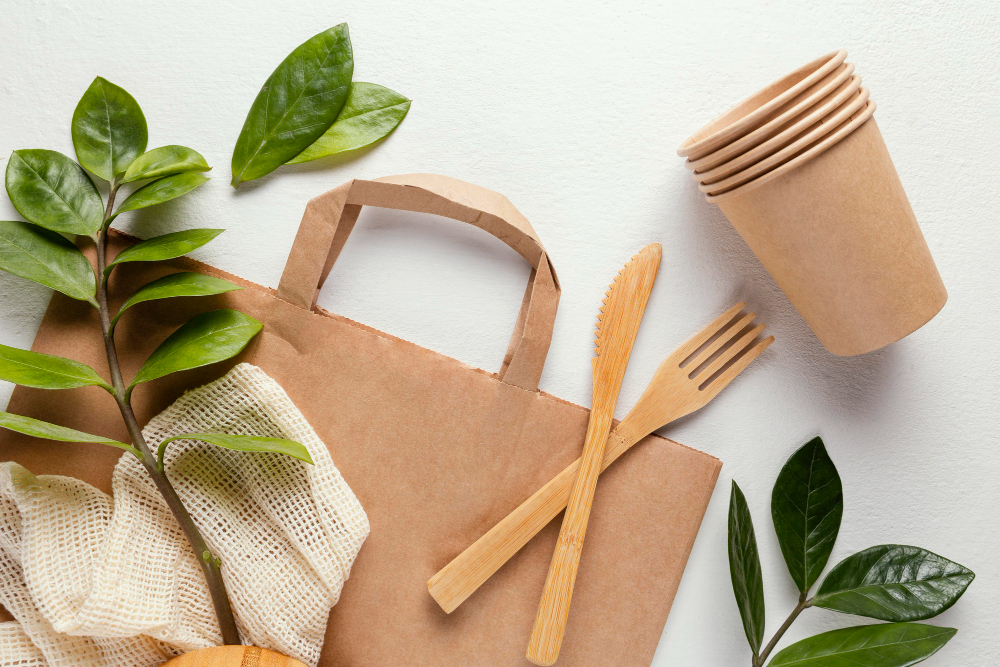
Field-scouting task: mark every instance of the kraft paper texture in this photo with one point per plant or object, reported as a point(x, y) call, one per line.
point(436, 451)
point(838, 235)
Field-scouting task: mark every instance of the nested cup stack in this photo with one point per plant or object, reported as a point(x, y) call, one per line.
point(801, 171)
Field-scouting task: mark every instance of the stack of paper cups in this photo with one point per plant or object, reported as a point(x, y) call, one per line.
point(802, 173)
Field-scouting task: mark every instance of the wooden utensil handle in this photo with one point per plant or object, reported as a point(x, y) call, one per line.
point(553, 608)
point(460, 578)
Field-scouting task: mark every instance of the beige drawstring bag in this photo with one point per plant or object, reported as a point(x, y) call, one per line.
point(111, 582)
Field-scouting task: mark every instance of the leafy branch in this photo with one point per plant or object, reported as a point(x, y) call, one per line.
point(57, 197)
point(890, 582)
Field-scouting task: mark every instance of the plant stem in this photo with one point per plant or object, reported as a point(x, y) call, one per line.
point(210, 566)
point(803, 604)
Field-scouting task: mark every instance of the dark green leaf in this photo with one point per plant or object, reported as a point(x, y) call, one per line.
point(165, 161)
point(52, 191)
point(205, 339)
point(163, 247)
point(177, 284)
point(297, 104)
point(159, 191)
point(45, 371)
point(243, 443)
point(109, 130)
point(47, 258)
point(371, 113)
point(807, 505)
point(882, 645)
point(893, 582)
point(744, 567)
point(47, 431)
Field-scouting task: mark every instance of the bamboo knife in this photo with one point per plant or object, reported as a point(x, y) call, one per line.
point(617, 326)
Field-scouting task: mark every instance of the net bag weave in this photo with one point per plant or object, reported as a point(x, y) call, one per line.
point(111, 581)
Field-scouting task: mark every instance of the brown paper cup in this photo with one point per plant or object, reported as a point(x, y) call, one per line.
point(835, 230)
point(843, 97)
point(800, 105)
point(852, 124)
point(814, 135)
point(759, 108)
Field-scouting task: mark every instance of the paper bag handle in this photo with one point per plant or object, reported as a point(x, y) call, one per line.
point(330, 217)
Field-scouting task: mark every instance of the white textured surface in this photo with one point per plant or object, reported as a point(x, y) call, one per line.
point(573, 110)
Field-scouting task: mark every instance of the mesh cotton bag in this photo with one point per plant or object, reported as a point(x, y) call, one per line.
point(111, 581)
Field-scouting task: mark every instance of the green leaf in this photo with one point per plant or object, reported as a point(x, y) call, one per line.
point(893, 582)
point(167, 246)
point(47, 431)
point(205, 339)
point(109, 130)
point(177, 284)
point(370, 113)
point(297, 104)
point(242, 443)
point(46, 371)
point(47, 258)
point(159, 191)
point(807, 505)
point(744, 567)
point(52, 191)
point(165, 161)
point(882, 645)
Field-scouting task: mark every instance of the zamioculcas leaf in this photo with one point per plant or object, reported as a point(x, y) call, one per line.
point(52, 191)
point(807, 505)
point(371, 113)
point(882, 645)
point(744, 567)
point(159, 191)
point(165, 161)
point(47, 431)
point(177, 284)
point(205, 339)
point(47, 258)
point(109, 129)
point(45, 371)
point(163, 247)
point(893, 582)
point(297, 104)
point(242, 443)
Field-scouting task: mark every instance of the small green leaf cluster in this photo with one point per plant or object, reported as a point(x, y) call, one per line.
point(890, 582)
point(58, 198)
point(310, 108)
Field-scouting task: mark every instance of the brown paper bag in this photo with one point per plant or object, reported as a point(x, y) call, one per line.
point(437, 451)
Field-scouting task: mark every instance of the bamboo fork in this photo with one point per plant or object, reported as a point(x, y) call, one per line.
point(617, 327)
point(662, 402)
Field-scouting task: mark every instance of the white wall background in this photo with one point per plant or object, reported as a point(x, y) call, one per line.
point(573, 110)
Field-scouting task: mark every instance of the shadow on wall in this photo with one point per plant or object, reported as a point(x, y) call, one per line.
point(853, 385)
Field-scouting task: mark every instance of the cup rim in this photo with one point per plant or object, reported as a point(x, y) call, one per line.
point(810, 73)
point(773, 127)
point(832, 122)
point(860, 117)
point(842, 98)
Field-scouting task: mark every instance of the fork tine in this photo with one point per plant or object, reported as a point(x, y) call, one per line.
point(719, 342)
point(699, 339)
point(730, 373)
point(729, 353)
